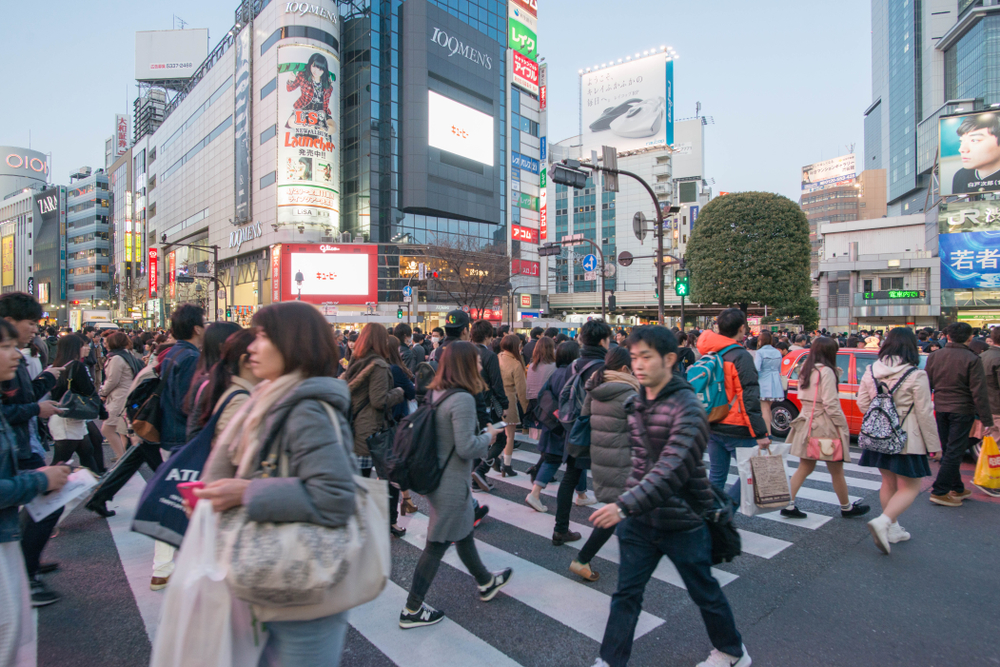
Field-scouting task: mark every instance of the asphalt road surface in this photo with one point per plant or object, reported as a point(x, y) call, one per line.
point(809, 592)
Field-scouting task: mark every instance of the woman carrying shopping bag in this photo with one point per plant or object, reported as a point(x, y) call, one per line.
point(896, 369)
point(295, 466)
point(820, 432)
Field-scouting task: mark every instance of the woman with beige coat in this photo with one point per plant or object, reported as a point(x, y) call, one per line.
point(119, 370)
point(821, 417)
point(515, 386)
point(896, 368)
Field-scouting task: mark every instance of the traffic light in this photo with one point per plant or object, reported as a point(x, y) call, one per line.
point(611, 302)
point(229, 313)
point(434, 275)
point(681, 287)
point(549, 249)
point(399, 313)
point(563, 175)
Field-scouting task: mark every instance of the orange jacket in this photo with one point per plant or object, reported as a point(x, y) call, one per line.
point(742, 389)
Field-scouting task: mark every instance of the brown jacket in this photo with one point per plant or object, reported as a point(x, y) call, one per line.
point(827, 422)
point(991, 366)
point(912, 400)
point(959, 383)
point(372, 396)
point(514, 385)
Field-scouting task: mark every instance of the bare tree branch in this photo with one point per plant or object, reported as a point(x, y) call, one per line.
point(469, 272)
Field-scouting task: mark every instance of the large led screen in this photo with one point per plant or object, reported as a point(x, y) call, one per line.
point(459, 129)
point(330, 275)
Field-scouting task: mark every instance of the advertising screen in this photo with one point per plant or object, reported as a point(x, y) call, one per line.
point(627, 106)
point(525, 73)
point(970, 260)
point(823, 174)
point(345, 274)
point(308, 180)
point(169, 54)
point(154, 265)
point(7, 253)
point(970, 153)
point(459, 129)
point(969, 216)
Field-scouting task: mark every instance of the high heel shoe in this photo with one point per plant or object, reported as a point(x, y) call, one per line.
point(407, 507)
point(508, 471)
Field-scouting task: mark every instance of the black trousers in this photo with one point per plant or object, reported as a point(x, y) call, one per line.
point(63, 451)
point(427, 567)
point(34, 536)
point(128, 465)
point(953, 429)
point(97, 440)
point(564, 499)
point(496, 449)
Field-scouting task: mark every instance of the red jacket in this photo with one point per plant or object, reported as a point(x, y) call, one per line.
point(744, 419)
point(305, 87)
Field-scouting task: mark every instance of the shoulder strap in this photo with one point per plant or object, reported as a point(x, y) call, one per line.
point(900, 381)
point(727, 348)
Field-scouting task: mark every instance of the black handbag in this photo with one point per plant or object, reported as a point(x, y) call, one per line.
point(380, 442)
point(726, 543)
point(77, 406)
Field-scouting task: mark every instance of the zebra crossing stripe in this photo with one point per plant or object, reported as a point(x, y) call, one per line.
point(424, 647)
point(573, 604)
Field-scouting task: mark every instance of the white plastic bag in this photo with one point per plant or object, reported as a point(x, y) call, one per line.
point(743, 455)
point(202, 624)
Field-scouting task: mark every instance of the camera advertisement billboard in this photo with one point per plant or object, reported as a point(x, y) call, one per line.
point(628, 106)
point(309, 136)
point(970, 153)
point(827, 173)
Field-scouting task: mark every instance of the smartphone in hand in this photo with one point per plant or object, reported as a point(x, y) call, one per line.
point(186, 490)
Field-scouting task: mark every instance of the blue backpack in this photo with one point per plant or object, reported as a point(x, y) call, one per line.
point(708, 378)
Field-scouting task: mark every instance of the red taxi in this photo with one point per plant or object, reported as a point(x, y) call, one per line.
point(852, 364)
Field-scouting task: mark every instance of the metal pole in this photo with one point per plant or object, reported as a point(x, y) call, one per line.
point(215, 278)
point(682, 312)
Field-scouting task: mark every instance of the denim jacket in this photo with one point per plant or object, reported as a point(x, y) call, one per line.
point(15, 488)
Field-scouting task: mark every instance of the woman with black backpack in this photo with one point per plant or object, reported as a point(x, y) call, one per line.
point(459, 443)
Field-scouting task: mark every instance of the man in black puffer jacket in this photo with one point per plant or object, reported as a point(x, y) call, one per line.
point(662, 508)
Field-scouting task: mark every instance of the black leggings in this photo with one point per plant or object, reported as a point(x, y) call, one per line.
point(427, 567)
point(393, 498)
point(598, 538)
point(97, 440)
point(64, 449)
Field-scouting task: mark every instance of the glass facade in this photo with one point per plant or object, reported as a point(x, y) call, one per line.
point(873, 138)
point(88, 233)
point(972, 65)
point(904, 111)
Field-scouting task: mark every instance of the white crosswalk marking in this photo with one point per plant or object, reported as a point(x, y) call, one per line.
point(572, 604)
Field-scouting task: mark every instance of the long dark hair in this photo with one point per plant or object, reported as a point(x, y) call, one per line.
point(459, 367)
point(211, 349)
point(544, 352)
point(901, 342)
point(512, 344)
point(220, 375)
point(823, 351)
point(567, 352)
point(319, 60)
point(616, 359)
point(69, 348)
point(395, 358)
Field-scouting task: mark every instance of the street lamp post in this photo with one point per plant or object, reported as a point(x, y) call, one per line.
point(299, 279)
point(215, 265)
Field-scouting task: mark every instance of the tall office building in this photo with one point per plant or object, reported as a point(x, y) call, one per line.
point(88, 239)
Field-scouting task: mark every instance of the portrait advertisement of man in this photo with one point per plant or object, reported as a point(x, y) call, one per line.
point(970, 153)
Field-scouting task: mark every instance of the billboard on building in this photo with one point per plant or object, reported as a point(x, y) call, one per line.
point(543, 81)
point(970, 153)
point(970, 260)
point(459, 129)
point(525, 11)
point(525, 73)
point(522, 38)
point(626, 105)
point(347, 274)
point(308, 187)
point(169, 54)
point(23, 162)
point(154, 276)
point(122, 140)
point(7, 255)
point(241, 126)
point(969, 216)
point(827, 173)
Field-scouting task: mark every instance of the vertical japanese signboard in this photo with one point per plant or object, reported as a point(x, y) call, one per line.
point(241, 125)
point(309, 134)
point(543, 213)
point(275, 273)
point(7, 252)
point(121, 135)
point(172, 274)
point(525, 73)
point(154, 276)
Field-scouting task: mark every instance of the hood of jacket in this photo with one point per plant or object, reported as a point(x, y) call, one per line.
point(889, 368)
point(613, 384)
point(709, 341)
point(677, 383)
point(359, 369)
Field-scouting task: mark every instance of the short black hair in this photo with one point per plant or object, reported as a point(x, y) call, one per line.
point(184, 319)
point(567, 352)
point(8, 331)
point(480, 331)
point(730, 320)
point(536, 333)
point(20, 306)
point(958, 332)
point(402, 331)
point(901, 342)
point(437, 330)
point(982, 121)
point(655, 336)
point(594, 331)
point(551, 332)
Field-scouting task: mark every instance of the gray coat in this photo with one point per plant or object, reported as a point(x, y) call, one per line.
point(319, 488)
point(455, 425)
point(610, 448)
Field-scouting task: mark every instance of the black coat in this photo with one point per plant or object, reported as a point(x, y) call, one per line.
point(20, 404)
point(494, 388)
point(668, 489)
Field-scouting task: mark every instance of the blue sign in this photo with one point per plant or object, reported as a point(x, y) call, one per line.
point(693, 216)
point(542, 155)
point(515, 174)
point(407, 291)
point(670, 102)
point(524, 162)
point(970, 260)
point(590, 263)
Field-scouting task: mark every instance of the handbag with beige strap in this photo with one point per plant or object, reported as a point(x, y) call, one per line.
point(302, 571)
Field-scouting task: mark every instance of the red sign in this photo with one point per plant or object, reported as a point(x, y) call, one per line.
point(524, 267)
point(493, 314)
point(543, 220)
point(542, 98)
point(121, 135)
point(346, 274)
point(275, 273)
point(527, 234)
point(525, 301)
point(172, 271)
point(154, 276)
point(525, 73)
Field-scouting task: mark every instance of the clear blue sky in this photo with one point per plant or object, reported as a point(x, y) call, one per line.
point(786, 82)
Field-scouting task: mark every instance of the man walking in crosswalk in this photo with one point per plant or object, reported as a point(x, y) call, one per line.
point(661, 512)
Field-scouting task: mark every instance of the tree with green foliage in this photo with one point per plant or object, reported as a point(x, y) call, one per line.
point(753, 247)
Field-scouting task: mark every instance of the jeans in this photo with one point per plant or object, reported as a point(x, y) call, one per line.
point(564, 500)
point(953, 429)
point(598, 538)
point(690, 551)
point(316, 643)
point(34, 536)
point(720, 453)
point(547, 472)
point(427, 567)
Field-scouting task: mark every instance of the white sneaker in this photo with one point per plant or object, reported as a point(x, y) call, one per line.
point(879, 528)
point(535, 504)
point(600, 663)
point(719, 659)
point(584, 500)
point(897, 533)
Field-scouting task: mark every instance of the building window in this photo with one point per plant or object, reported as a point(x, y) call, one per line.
point(890, 283)
point(268, 179)
point(269, 88)
point(269, 133)
point(867, 286)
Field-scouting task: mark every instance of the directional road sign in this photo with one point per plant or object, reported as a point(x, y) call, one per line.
point(590, 263)
point(407, 291)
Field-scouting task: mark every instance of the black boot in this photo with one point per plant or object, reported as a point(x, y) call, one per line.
point(508, 471)
point(100, 509)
